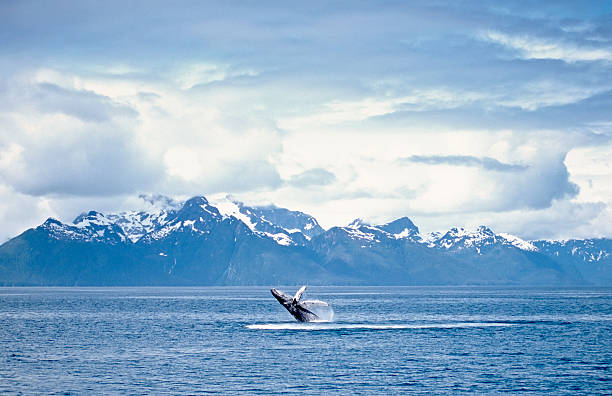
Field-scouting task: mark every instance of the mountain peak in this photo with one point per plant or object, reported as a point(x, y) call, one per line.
point(92, 214)
point(356, 223)
point(484, 230)
point(88, 227)
point(479, 232)
point(197, 200)
point(51, 221)
point(270, 220)
point(400, 227)
point(198, 206)
point(460, 238)
point(91, 218)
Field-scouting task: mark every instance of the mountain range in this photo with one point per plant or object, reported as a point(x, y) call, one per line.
point(198, 242)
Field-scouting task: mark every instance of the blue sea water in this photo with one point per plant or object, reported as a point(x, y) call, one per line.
point(239, 340)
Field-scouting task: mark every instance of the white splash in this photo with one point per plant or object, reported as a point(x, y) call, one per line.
point(320, 308)
point(314, 326)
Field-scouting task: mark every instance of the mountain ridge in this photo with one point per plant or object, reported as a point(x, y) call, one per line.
point(201, 242)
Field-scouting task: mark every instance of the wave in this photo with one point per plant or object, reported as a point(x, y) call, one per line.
point(313, 326)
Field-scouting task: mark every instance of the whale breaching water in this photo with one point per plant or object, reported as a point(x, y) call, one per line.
point(302, 310)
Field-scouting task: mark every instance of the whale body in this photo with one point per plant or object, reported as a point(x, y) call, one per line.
point(298, 309)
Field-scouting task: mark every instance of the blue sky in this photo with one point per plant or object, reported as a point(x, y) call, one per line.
point(451, 113)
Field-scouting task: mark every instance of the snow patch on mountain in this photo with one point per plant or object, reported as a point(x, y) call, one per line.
point(430, 238)
point(293, 230)
point(406, 233)
point(229, 208)
point(356, 233)
point(136, 224)
point(518, 242)
point(91, 219)
point(164, 231)
point(275, 227)
point(281, 239)
point(207, 208)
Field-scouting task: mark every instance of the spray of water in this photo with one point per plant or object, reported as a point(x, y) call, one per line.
point(320, 308)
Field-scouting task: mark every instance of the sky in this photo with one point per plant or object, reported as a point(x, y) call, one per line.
point(450, 113)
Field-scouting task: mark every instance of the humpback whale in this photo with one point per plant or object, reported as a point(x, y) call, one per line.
point(299, 309)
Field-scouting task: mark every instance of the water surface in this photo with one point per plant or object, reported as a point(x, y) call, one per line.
point(240, 340)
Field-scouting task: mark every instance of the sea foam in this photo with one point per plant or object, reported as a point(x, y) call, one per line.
point(314, 326)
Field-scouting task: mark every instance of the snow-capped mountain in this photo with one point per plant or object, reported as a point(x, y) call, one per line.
point(222, 241)
point(197, 214)
point(259, 225)
point(455, 240)
point(400, 229)
point(87, 227)
point(586, 250)
point(285, 226)
point(458, 239)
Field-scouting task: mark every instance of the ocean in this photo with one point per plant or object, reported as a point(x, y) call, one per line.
point(240, 340)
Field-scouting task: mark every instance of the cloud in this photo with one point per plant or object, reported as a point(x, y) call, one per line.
point(180, 142)
point(240, 176)
point(464, 189)
point(312, 177)
point(83, 161)
point(377, 111)
point(60, 141)
point(42, 97)
point(160, 201)
point(538, 48)
point(84, 105)
point(553, 109)
point(486, 163)
point(561, 220)
point(195, 74)
point(542, 93)
point(20, 211)
point(537, 188)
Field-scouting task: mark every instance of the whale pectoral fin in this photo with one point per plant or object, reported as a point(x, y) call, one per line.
point(299, 293)
point(306, 315)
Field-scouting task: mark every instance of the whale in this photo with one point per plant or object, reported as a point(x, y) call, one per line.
point(299, 309)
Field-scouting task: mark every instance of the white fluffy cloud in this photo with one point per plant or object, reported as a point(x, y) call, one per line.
point(65, 141)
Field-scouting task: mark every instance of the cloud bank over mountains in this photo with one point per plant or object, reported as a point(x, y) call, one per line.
point(450, 114)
